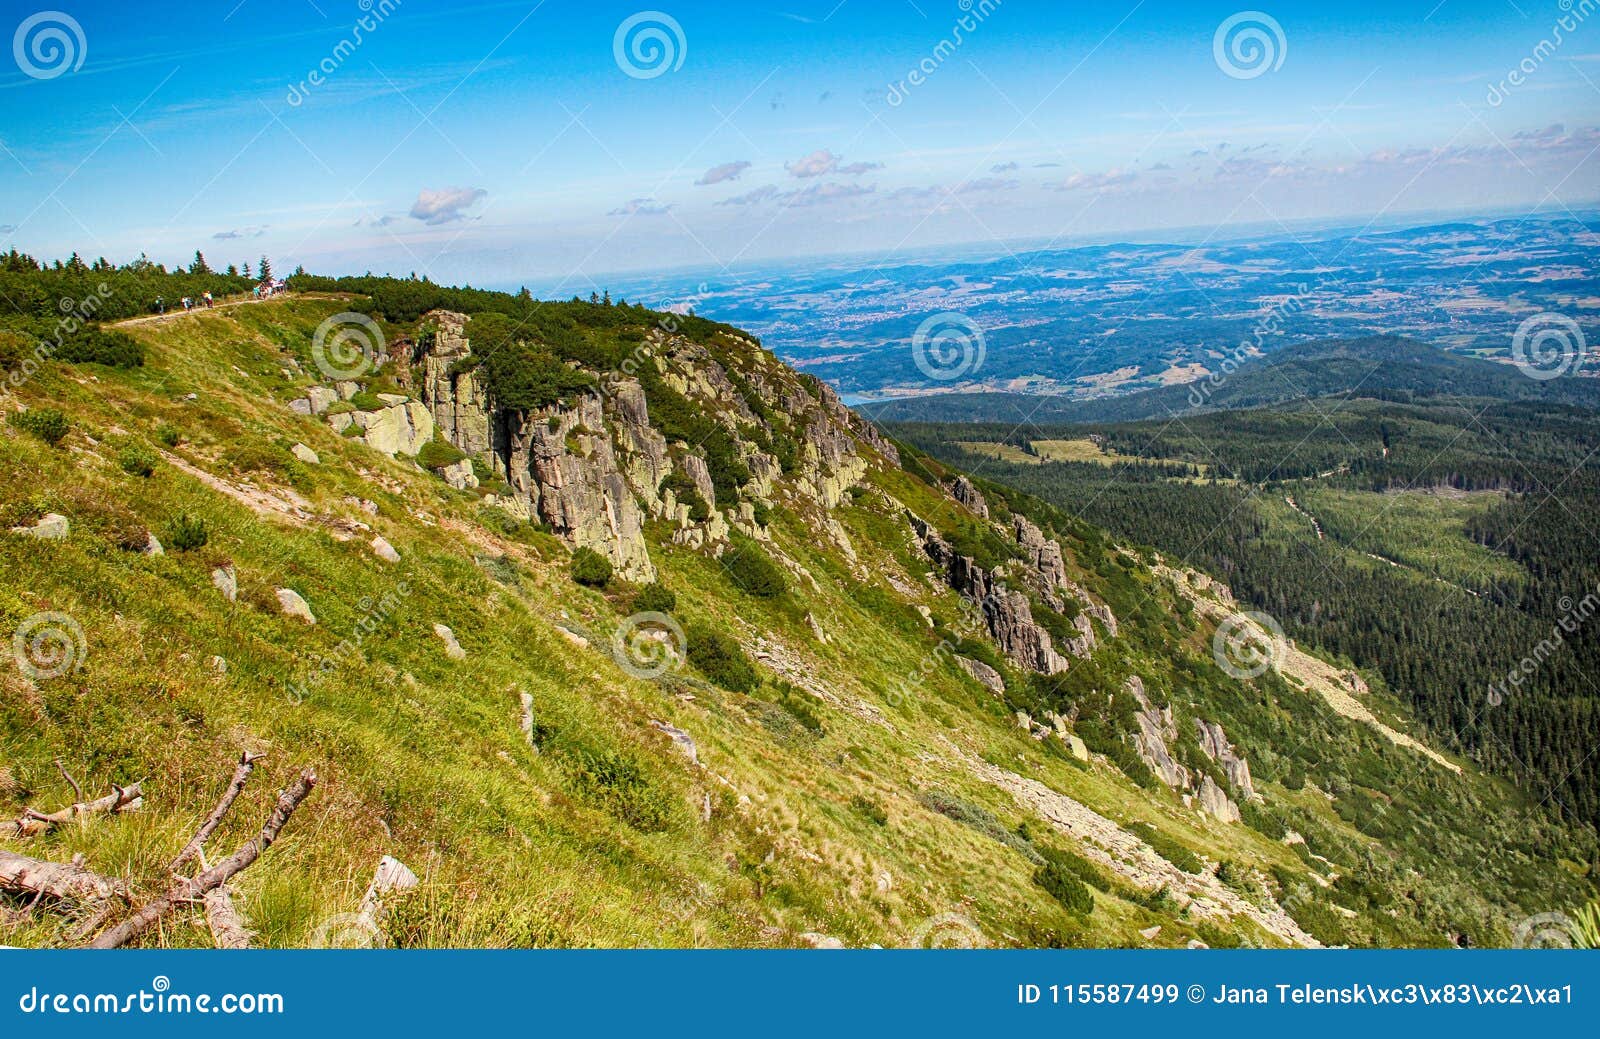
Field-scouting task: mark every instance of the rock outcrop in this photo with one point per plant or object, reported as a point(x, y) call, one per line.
point(1214, 743)
point(1155, 730)
point(1007, 613)
point(1214, 802)
point(963, 491)
point(983, 674)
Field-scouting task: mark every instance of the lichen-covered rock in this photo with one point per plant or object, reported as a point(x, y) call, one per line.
point(1019, 637)
point(321, 398)
point(1214, 743)
point(305, 454)
point(399, 429)
point(1155, 730)
point(452, 647)
point(457, 401)
point(460, 475)
point(1214, 801)
point(963, 490)
point(226, 581)
point(51, 527)
point(985, 675)
point(293, 605)
point(566, 466)
point(383, 550)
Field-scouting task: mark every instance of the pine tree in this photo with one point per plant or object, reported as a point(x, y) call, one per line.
point(199, 266)
point(264, 269)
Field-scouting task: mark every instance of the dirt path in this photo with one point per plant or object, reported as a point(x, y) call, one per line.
point(149, 319)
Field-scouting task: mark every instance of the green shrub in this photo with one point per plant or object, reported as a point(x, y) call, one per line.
point(99, 346)
point(720, 659)
point(1168, 848)
point(751, 570)
point(590, 568)
point(980, 819)
point(136, 460)
point(169, 435)
point(1065, 887)
point(655, 598)
point(875, 812)
point(365, 401)
point(47, 424)
point(620, 785)
point(799, 707)
point(437, 454)
point(684, 490)
point(339, 407)
point(186, 533)
point(763, 513)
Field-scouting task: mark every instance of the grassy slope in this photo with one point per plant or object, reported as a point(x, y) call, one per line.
point(595, 838)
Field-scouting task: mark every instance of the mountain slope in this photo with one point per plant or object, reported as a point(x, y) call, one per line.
point(854, 775)
point(1385, 367)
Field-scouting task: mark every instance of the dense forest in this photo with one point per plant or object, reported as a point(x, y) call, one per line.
point(1497, 653)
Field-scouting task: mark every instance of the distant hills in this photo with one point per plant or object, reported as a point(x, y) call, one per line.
point(1385, 367)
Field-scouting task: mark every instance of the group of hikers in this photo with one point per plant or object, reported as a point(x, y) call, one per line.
point(189, 303)
point(262, 291)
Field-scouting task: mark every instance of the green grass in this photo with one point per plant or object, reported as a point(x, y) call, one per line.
point(820, 814)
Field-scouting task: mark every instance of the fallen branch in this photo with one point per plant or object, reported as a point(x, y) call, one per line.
point(228, 929)
point(63, 881)
point(241, 773)
point(77, 791)
point(121, 799)
point(188, 890)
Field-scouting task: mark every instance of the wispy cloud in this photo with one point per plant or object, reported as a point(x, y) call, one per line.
point(641, 207)
point(443, 205)
point(239, 232)
point(724, 172)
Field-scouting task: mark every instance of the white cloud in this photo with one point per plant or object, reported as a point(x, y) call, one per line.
point(641, 207)
point(442, 205)
point(1095, 181)
point(726, 171)
point(819, 163)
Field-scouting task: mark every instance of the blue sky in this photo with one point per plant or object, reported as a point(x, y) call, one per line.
point(503, 142)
